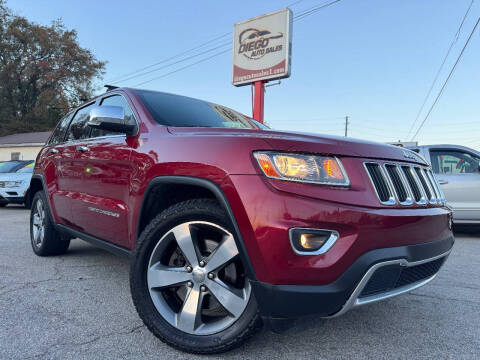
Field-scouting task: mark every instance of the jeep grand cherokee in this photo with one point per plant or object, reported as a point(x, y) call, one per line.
point(229, 225)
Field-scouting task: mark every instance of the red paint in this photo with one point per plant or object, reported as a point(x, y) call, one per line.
point(258, 101)
point(120, 169)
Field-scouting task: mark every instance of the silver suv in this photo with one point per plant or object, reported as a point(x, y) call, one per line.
point(457, 169)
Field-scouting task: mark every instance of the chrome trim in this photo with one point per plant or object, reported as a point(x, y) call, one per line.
point(409, 200)
point(433, 198)
point(391, 200)
point(334, 236)
point(437, 186)
point(432, 184)
point(423, 195)
point(354, 300)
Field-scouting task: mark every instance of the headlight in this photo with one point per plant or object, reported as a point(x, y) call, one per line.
point(11, 184)
point(324, 170)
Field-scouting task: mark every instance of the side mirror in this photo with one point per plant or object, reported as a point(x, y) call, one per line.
point(110, 118)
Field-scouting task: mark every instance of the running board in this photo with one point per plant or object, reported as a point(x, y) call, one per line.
point(105, 245)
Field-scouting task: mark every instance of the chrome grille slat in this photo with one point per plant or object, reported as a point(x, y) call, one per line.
point(382, 187)
point(404, 184)
point(399, 184)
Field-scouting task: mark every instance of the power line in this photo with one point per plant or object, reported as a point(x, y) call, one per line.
point(129, 75)
point(135, 73)
point(313, 10)
point(455, 39)
point(182, 68)
point(120, 78)
point(176, 62)
point(448, 78)
point(309, 11)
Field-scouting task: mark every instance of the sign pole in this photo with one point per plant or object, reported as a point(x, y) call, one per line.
point(258, 101)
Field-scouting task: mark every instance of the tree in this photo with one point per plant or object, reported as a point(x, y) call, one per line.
point(43, 73)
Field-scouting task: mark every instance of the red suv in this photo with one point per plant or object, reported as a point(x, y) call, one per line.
point(230, 225)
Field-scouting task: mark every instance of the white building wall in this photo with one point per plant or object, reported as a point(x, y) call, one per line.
point(26, 152)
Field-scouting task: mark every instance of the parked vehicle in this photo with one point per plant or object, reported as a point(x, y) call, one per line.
point(15, 179)
point(229, 225)
point(457, 169)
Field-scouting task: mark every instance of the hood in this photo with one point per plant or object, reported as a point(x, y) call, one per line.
point(16, 176)
point(312, 143)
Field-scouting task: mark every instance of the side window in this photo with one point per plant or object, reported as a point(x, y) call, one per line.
point(115, 100)
point(452, 162)
point(59, 133)
point(78, 127)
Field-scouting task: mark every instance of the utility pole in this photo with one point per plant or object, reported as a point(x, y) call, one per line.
point(346, 126)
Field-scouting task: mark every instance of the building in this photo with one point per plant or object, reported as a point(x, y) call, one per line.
point(24, 146)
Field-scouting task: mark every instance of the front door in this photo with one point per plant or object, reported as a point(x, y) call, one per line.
point(102, 205)
point(101, 208)
point(459, 176)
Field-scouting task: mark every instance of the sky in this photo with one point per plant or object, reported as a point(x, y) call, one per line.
point(373, 60)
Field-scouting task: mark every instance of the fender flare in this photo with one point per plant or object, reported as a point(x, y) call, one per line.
point(44, 189)
point(221, 198)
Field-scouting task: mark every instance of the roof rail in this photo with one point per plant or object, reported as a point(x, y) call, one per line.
point(110, 87)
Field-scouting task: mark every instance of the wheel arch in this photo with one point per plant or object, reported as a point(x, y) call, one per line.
point(204, 189)
point(36, 184)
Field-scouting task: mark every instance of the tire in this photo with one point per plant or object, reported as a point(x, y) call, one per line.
point(213, 328)
point(2, 205)
point(44, 238)
point(28, 204)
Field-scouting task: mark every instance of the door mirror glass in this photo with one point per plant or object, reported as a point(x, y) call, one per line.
point(110, 118)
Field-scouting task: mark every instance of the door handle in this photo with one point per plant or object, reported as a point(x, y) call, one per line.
point(53, 151)
point(82, 148)
point(442, 182)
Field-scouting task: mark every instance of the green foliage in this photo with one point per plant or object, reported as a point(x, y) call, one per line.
point(43, 73)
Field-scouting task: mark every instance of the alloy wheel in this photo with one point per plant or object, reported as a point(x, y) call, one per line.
point(38, 223)
point(196, 279)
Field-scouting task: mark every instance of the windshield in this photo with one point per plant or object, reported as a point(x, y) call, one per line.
point(10, 166)
point(180, 111)
point(27, 168)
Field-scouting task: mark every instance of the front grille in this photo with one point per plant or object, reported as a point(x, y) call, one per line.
point(399, 186)
point(404, 184)
point(378, 179)
point(391, 277)
point(412, 182)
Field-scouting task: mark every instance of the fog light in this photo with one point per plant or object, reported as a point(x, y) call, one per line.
point(312, 241)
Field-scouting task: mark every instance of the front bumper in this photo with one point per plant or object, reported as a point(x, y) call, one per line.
point(12, 195)
point(374, 276)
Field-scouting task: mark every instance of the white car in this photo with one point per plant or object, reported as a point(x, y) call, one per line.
point(15, 179)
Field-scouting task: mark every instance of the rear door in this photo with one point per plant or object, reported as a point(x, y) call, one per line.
point(51, 156)
point(458, 174)
point(101, 207)
point(70, 180)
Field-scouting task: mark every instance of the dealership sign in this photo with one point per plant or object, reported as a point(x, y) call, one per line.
point(262, 48)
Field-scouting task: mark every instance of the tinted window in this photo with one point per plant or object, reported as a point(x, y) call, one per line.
point(59, 133)
point(175, 110)
point(78, 127)
point(11, 166)
point(28, 168)
point(453, 162)
point(116, 100)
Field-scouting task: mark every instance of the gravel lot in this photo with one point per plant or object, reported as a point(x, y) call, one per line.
point(78, 306)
